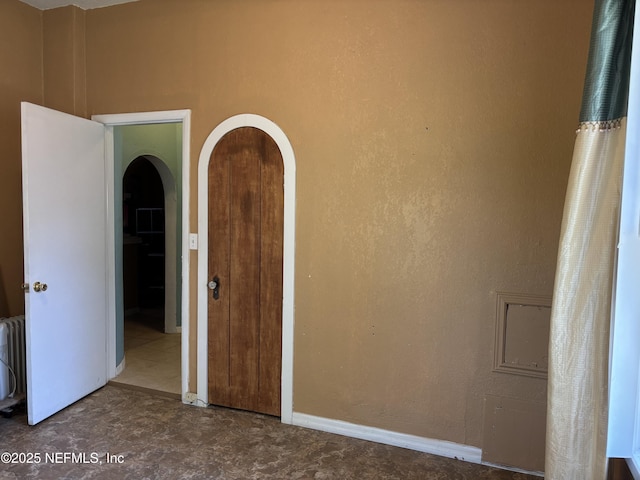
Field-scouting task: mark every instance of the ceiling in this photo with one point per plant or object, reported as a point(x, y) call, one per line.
point(84, 4)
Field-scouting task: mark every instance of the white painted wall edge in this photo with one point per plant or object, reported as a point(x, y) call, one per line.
point(120, 367)
point(421, 444)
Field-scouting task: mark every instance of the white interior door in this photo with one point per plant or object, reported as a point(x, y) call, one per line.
point(65, 234)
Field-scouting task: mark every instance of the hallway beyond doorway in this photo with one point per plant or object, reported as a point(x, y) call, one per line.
point(152, 358)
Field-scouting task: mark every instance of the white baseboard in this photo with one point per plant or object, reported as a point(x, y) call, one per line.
point(387, 437)
point(514, 469)
point(634, 467)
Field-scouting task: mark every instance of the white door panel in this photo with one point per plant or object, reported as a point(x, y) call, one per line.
point(64, 205)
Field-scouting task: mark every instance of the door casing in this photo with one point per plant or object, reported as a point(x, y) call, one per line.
point(110, 121)
point(274, 131)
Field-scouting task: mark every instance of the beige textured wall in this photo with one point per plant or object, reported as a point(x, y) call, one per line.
point(20, 79)
point(64, 60)
point(433, 140)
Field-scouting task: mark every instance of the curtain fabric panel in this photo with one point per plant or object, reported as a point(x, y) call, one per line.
point(581, 312)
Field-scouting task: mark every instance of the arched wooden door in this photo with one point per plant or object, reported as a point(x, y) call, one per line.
point(246, 210)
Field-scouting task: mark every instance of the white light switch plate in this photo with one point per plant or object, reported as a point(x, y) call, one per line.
point(193, 241)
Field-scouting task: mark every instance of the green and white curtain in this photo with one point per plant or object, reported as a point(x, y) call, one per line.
point(581, 312)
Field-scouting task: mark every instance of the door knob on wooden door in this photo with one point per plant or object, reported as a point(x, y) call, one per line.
point(215, 285)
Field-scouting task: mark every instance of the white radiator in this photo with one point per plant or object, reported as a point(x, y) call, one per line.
point(13, 371)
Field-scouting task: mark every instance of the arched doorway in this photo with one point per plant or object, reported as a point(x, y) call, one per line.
point(288, 250)
point(150, 282)
point(143, 228)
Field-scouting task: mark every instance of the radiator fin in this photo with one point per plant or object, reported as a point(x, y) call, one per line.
point(15, 355)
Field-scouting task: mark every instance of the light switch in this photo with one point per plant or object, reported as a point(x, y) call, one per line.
point(193, 241)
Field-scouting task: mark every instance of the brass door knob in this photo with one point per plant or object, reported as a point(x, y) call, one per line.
point(39, 287)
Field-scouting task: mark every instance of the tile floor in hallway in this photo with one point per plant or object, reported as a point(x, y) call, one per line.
point(152, 358)
point(152, 437)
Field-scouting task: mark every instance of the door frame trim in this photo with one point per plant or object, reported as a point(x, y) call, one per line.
point(138, 118)
point(288, 158)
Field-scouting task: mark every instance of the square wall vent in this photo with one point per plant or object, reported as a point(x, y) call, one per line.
point(522, 334)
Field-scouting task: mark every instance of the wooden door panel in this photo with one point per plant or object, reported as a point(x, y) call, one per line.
point(219, 228)
point(244, 314)
point(272, 218)
point(246, 209)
